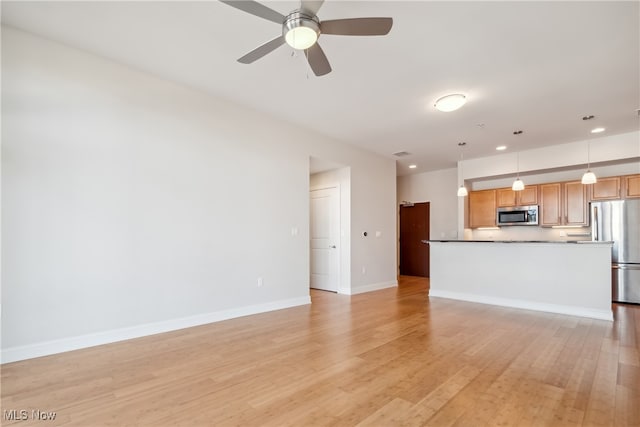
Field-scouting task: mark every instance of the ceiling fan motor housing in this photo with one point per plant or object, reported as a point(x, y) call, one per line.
point(301, 30)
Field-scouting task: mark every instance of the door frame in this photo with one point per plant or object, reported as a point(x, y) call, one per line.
point(339, 237)
point(427, 205)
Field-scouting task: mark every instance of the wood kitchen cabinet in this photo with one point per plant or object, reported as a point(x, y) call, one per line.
point(563, 203)
point(506, 197)
point(631, 186)
point(550, 204)
point(482, 208)
point(606, 189)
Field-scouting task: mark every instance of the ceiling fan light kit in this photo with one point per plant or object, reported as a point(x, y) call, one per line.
point(301, 31)
point(302, 28)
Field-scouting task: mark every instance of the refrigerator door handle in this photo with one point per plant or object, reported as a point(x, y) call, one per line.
point(625, 266)
point(594, 225)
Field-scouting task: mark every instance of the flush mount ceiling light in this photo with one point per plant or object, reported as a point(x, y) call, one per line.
point(597, 130)
point(501, 147)
point(413, 166)
point(301, 31)
point(450, 102)
point(462, 191)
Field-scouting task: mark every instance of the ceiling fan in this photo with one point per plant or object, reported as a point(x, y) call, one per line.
point(301, 29)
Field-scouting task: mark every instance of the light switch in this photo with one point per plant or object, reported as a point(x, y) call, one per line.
point(378, 233)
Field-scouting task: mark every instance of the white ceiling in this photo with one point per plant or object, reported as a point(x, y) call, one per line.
point(532, 66)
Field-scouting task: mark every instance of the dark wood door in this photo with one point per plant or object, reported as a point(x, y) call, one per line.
point(414, 227)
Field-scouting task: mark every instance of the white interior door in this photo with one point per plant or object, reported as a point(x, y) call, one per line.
point(325, 239)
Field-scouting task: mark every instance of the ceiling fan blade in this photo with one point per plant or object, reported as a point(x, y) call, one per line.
point(256, 9)
point(311, 6)
point(357, 26)
point(261, 51)
point(318, 60)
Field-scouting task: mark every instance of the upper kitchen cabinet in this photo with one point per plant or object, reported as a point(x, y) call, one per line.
point(631, 186)
point(606, 189)
point(482, 208)
point(506, 197)
point(563, 204)
point(550, 204)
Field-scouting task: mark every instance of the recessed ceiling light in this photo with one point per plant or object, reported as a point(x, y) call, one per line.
point(413, 166)
point(450, 102)
point(501, 147)
point(597, 130)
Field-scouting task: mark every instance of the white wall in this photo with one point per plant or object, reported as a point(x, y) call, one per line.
point(439, 188)
point(132, 205)
point(614, 148)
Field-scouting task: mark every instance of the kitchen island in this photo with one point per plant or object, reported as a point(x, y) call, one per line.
point(560, 277)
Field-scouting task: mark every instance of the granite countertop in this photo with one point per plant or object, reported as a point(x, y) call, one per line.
point(517, 241)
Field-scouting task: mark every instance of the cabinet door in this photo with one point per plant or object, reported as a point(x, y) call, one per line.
point(506, 197)
point(528, 196)
point(482, 208)
point(632, 186)
point(550, 207)
point(606, 189)
point(575, 204)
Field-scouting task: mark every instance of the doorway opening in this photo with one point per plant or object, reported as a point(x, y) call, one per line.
point(329, 226)
point(414, 229)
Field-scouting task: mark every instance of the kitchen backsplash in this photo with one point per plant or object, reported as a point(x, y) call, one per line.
point(524, 232)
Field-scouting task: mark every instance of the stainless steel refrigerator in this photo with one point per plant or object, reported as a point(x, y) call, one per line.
point(619, 221)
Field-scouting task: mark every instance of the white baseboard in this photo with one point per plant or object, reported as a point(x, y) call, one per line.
point(368, 288)
point(46, 348)
point(527, 305)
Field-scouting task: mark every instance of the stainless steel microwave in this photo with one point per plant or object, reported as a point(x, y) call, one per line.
point(517, 215)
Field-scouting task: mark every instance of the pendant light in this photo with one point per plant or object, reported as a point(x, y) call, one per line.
point(589, 177)
point(462, 190)
point(518, 185)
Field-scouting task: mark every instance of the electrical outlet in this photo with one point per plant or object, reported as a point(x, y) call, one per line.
point(364, 270)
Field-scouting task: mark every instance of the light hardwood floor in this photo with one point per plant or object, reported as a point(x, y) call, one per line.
point(386, 358)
